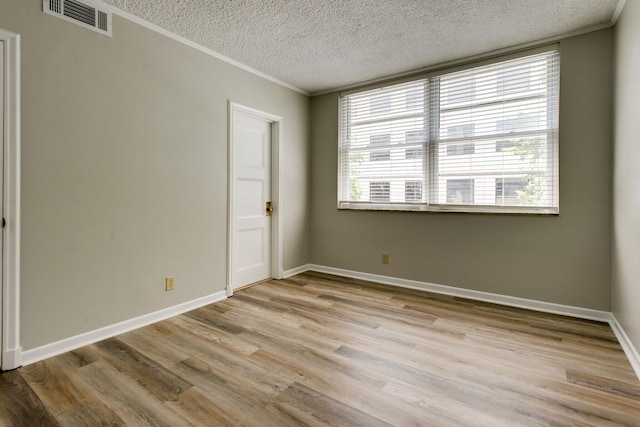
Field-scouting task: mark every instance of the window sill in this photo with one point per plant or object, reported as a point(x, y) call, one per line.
point(483, 210)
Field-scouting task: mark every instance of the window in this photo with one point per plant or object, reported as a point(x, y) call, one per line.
point(414, 99)
point(461, 89)
point(482, 139)
point(413, 153)
point(380, 104)
point(505, 145)
point(379, 191)
point(455, 149)
point(377, 141)
point(413, 191)
point(513, 191)
point(460, 132)
point(460, 191)
point(414, 141)
point(513, 80)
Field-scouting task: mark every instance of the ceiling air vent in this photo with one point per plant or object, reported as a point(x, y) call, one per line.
point(81, 13)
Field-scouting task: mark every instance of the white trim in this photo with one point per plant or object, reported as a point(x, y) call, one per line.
point(547, 307)
point(626, 344)
point(277, 161)
point(196, 46)
point(53, 349)
point(11, 350)
point(277, 152)
point(297, 270)
point(12, 359)
point(618, 11)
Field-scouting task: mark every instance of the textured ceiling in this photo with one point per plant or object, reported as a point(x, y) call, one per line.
point(317, 45)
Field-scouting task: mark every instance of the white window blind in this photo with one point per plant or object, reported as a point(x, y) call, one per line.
point(482, 139)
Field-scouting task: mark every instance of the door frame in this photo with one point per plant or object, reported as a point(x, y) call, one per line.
point(276, 193)
point(11, 350)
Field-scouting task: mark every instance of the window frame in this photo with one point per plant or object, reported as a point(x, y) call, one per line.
point(430, 177)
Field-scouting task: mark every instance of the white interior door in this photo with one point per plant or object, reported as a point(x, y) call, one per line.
point(251, 192)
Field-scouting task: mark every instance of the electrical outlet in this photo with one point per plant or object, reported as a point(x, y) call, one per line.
point(169, 283)
point(385, 258)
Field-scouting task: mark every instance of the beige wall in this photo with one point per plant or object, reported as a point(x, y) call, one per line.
point(626, 190)
point(124, 171)
point(561, 259)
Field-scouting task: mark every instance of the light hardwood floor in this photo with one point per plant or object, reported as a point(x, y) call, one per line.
point(323, 350)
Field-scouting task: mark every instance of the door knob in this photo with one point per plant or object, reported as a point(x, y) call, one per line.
point(269, 209)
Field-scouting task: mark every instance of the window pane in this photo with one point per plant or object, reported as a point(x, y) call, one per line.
point(456, 149)
point(513, 191)
point(460, 191)
point(414, 140)
point(413, 191)
point(413, 153)
point(505, 145)
point(459, 90)
point(382, 147)
point(379, 191)
point(414, 98)
point(513, 80)
point(507, 131)
point(380, 104)
point(377, 141)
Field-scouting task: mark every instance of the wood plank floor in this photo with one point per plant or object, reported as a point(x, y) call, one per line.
point(323, 350)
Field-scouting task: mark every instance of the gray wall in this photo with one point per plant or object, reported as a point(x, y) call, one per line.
point(626, 190)
point(563, 259)
point(124, 171)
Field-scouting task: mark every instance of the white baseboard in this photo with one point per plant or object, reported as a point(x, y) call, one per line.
point(296, 270)
point(11, 358)
point(49, 350)
point(547, 307)
point(627, 345)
